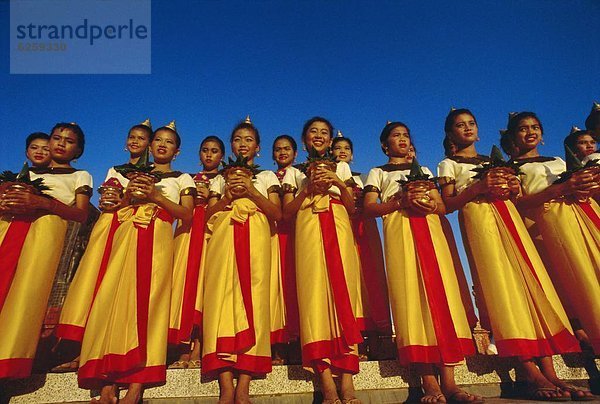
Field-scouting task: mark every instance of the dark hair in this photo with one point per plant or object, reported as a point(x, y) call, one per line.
point(338, 139)
point(144, 128)
point(177, 137)
point(592, 122)
point(449, 123)
point(515, 120)
point(572, 138)
point(385, 133)
point(313, 120)
point(245, 125)
point(72, 126)
point(215, 139)
point(448, 143)
point(34, 136)
point(507, 143)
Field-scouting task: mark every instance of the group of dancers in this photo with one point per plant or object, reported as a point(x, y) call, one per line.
point(239, 260)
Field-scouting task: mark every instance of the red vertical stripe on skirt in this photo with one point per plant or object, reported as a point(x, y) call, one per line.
point(512, 229)
point(145, 247)
point(114, 224)
point(241, 241)
point(590, 213)
point(285, 232)
point(379, 310)
point(447, 340)
point(335, 270)
point(191, 274)
point(10, 252)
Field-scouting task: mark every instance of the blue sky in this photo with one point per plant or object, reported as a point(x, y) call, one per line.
point(358, 63)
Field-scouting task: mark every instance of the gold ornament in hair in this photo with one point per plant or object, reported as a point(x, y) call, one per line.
point(147, 123)
point(452, 109)
point(339, 134)
point(248, 120)
point(595, 107)
point(388, 122)
point(172, 126)
point(574, 129)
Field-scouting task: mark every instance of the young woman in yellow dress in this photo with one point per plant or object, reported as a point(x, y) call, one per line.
point(375, 318)
point(285, 152)
point(125, 338)
point(37, 150)
point(527, 318)
point(327, 266)
point(429, 317)
point(92, 266)
point(568, 221)
point(236, 321)
point(190, 247)
point(583, 144)
point(32, 231)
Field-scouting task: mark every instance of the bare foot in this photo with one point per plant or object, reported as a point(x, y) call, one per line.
point(461, 396)
point(227, 397)
point(134, 394)
point(108, 395)
point(242, 397)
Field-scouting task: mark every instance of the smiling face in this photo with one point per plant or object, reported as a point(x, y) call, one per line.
point(528, 134)
point(283, 153)
point(137, 142)
point(244, 142)
point(585, 146)
point(164, 146)
point(210, 155)
point(342, 151)
point(464, 130)
point(64, 145)
point(398, 142)
point(38, 152)
point(318, 136)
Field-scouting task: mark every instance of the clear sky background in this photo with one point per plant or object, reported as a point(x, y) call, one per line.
point(358, 63)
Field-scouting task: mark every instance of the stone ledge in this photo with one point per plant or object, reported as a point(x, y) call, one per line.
point(184, 383)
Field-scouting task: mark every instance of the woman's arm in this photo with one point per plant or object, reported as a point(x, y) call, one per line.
point(183, 211)
point(374, 209)
point(576, 185)
point(28, 203)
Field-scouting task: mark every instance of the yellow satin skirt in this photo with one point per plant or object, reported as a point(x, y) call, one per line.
point(571, 241)
point(526, 315)
point(324, 344)
point(236, 321)
point(24, 308)
point(125, 338)
point(276, 297)
point(80, 296)
point(411, 281)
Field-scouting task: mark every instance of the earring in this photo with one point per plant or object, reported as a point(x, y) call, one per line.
point(125, 149)
point(303, 147)
point(477, 138)
point(542, 141)
point(174, 157)
point(257, 154)
point(74, 161)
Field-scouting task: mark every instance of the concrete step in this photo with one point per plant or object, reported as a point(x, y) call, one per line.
point(383, 381)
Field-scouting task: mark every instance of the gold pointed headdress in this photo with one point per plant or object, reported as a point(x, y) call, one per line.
point(595, 107)
point(248, 120)
point(339, 134)
point(172, 126)
point(574, 129)
point(146, 123)
point(388, 122)
point(452, 109)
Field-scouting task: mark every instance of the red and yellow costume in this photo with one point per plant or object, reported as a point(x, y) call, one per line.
point(430, 319)
point(570, 242)
point(526, 315)
point(327, 278)
point(125, 337)
point(373, 291)
point(188, 272)
point(30, 249)
point(236, 328)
